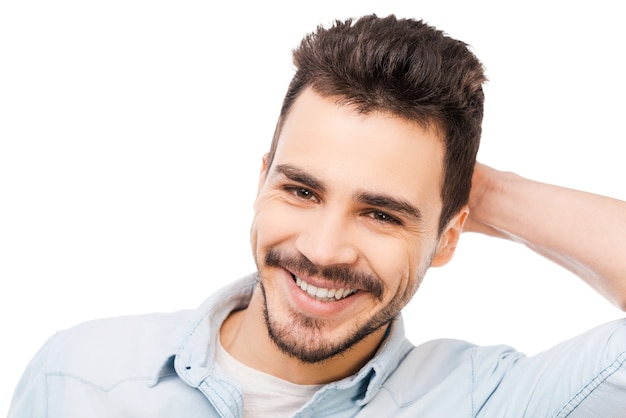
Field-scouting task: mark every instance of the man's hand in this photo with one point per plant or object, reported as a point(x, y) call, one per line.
point(484, 179)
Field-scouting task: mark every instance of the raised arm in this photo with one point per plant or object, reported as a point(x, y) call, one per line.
point(583, 232)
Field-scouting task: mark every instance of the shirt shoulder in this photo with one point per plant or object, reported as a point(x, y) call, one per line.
point(104, 352)
point(584, 376)
point(430, 372)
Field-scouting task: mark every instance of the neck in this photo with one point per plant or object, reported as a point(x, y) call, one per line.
point(245, 337)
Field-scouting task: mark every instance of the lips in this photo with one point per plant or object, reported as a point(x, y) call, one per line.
point(335, 275)
point(322, 293)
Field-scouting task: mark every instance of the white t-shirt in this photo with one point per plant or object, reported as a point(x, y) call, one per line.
point(264, 395)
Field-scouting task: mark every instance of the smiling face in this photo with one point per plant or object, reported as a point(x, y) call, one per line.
point(345, 225)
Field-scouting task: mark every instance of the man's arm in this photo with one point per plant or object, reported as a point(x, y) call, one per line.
point(583, 232)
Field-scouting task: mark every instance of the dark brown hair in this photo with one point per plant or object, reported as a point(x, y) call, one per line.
point(404, 67)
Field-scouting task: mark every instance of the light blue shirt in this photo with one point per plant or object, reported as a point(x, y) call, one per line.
point(162, 365)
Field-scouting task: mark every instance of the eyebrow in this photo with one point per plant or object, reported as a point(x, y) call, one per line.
point(297, 175)
point(389, 203)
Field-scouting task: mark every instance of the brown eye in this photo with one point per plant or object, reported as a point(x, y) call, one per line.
point(383, 217)
point(303, 193)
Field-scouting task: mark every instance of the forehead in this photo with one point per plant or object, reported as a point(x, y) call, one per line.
point(350, 150)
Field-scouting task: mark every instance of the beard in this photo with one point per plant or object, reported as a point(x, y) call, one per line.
point(301, 336)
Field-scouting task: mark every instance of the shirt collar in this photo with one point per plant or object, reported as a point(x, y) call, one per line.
point(194, 360)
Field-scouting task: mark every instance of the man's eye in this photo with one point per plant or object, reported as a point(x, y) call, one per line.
point(383, 217)
point(301, 192)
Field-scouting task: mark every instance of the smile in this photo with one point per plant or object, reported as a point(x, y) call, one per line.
point(323, 294)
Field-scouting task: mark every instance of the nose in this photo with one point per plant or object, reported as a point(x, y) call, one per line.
point(328, 238)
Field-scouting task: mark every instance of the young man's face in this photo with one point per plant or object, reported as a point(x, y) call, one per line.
point(346, 224)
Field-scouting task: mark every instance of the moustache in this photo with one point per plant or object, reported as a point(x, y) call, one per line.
point(343, 276)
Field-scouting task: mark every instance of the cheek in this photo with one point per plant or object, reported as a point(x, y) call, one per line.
point(392, 262)
point(401, 264)
point(272, 223)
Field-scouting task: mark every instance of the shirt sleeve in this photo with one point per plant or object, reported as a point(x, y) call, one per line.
point(30, 395)
point(581, 377)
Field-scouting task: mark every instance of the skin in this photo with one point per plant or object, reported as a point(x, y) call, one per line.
point(350, 201)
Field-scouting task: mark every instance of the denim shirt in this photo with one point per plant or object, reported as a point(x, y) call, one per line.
point(162, 365)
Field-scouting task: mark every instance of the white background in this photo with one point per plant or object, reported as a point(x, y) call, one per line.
point(131, 135)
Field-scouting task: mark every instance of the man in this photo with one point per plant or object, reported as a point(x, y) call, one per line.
point(366, 185)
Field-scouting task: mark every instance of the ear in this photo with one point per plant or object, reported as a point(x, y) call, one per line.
point(449, 238)
point(263, 173)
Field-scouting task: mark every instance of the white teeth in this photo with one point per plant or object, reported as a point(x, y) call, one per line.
point(303, 285)
point(311, 290)
point(323, 293)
